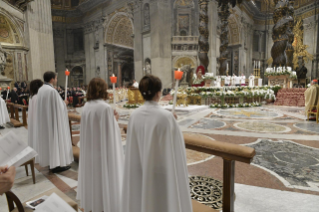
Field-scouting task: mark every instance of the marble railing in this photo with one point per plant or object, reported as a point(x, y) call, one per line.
point(185, 40)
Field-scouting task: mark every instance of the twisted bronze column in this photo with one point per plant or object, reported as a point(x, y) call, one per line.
point(223, 15)
point(203, 33)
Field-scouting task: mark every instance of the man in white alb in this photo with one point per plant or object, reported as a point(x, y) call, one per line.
point(242, 80)
point(135, 84)
point(227, 80)
point(53, 135)
point(251, 80)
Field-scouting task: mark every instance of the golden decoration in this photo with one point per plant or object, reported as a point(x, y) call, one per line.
point(184, 61)
point(299, 47)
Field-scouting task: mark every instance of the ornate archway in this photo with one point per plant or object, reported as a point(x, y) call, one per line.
point(120, 31)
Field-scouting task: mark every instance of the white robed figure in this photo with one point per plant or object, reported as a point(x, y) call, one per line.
point(102, 157)
point(218, 82)
point(227, 80)
point(52, 127)
point(35, 85)
point(233, 80)
point(155, 174)
point(242, 80)
point(4, 116)
point(251, 80)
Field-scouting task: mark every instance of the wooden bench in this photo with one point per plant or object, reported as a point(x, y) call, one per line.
point(14, 114)
point(21, 207)
point(76, 149)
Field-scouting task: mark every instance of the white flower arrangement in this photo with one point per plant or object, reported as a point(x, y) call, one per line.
point(209, 76)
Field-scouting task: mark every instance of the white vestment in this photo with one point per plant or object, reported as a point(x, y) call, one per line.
point(218, 82)
point(233, 79)
point(32, 111)
point(227, 80)
point(155, 174)
point(242, 80)
point(101, 163)
point(251, 81)
point(52, 129)
point(4, 116)
point(237, 79)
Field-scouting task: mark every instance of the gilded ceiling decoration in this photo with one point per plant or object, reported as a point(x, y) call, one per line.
point(184, 2)
point(120, 32)
point(8, 33)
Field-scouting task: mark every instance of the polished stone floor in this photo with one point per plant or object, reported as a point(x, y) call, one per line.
point(284, 175)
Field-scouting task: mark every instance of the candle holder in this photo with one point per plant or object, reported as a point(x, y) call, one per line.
point(178, 76)
point(113, 79)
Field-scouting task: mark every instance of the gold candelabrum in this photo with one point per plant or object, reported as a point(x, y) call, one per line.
point(257, 69)
point(257, 72)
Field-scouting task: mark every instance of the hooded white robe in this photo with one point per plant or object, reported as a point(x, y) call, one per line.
point(52, 129)
point(4, 116)
point(101, 163)
point(32, 111)
point(155, 174)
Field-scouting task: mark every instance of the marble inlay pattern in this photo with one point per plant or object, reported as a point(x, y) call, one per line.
point(294, 164)
point(308, 126)
point(209, 124)
point(253, 113)
point(207, 190)
point(258, 126)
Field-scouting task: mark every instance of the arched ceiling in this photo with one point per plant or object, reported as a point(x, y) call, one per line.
point(120, 31)
point(8, 32)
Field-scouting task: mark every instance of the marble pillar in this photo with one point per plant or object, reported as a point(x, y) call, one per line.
point(39, 31)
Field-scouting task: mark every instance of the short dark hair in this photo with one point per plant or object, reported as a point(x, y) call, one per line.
point(47, 76)
point(97, 89)
point(149, 86)
point(34, 86)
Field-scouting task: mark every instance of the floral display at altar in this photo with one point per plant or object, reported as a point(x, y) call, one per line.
point(228, 97)
point(279, 71)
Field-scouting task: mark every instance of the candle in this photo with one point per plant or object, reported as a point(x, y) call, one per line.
point(259, 64)
point(67, 73)
point(8, 92)
point(113, 79)
point(254, 64)
point(227, 67)
point(178, 76)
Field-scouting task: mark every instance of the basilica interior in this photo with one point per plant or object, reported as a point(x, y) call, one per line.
point(226, 38)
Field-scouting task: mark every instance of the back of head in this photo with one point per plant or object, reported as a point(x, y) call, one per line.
point(34, 86)
point(47, 76)
point(97, 89)
point(149, 86)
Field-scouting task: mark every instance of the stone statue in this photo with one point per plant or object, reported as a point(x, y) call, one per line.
point(96, 35)
point(148, 68)
point(97, 72)
point(146, 15)
point(105, 21)
point(3, 60)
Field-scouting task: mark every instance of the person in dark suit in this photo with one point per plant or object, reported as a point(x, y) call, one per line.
point(14, 96)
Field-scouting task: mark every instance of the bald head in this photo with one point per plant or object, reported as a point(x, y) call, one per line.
point(15, 89)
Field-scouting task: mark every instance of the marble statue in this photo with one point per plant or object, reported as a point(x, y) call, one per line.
point(147, 15)
point(148, 68)
point(3, 60)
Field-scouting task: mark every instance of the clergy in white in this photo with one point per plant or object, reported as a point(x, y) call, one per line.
point(242, 80)
point(52, 127)
point(236, 80)
point(35, 85)
point(155, 174)
point(4, 116)
point(218, 82)
point(227, 80)
point(101, 156)
point(251, 80)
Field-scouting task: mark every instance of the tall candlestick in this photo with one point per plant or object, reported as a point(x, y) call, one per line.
point(8, 90)
point(113, 79)
point(259, 64)
point(178, 77)
point(227, 67)
point(67, 73)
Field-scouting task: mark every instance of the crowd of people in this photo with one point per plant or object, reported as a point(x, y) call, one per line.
point(143, 180)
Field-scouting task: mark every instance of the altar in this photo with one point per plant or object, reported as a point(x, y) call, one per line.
point(281, 80)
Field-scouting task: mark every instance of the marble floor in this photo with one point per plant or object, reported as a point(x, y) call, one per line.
point(284, 175)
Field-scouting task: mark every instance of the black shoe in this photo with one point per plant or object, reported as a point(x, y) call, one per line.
point(2, 127)
point(60, 169)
